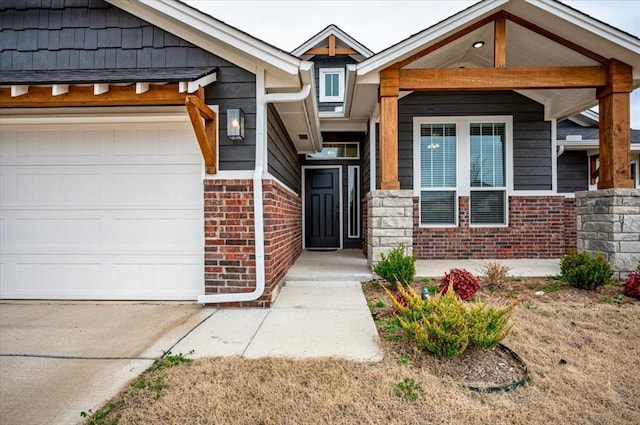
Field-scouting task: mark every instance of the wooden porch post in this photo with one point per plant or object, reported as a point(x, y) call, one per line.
point(389, 91)
point(615, 142)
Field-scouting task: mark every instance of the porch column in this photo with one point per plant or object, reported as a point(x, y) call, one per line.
point(389, 91)
point(615, 142)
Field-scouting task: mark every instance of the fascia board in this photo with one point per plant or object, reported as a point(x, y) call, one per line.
point(307, 76)
point(341, 35)
point(206, 32)
point(421, 40)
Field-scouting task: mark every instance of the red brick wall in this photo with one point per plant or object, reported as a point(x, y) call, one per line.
point(539, 227)
point(282, 231)
point(229, 237)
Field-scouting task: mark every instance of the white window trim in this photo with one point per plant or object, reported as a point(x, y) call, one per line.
point(310, 157)
point(463, 152)
point(340, 72)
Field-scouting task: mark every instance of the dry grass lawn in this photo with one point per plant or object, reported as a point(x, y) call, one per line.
point(598, 382)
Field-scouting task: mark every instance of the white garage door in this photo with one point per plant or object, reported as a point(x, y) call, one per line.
point(92, 211)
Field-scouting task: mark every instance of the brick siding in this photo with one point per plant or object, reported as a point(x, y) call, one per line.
point(539, 227)
point(282, 231)
point(229, 237)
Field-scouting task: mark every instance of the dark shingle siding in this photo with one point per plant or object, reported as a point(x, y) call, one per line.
point(88, 34)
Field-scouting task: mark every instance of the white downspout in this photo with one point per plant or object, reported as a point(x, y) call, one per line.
point(262, 100)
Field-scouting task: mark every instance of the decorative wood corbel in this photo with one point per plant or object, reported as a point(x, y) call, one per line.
point(205, 131)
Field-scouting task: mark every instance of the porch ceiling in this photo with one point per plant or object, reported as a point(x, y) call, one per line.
point(524, 48)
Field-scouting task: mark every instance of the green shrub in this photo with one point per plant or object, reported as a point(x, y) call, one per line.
point(396, 267)
point(445, 326)
point(585, 271)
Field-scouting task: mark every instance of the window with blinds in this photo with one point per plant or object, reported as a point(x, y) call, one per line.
point(458, 157)
point(438, 171)
point(487, 173)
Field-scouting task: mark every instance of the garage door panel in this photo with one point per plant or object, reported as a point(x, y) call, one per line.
point(64, 277)
point(157, 144)
point(113, 186)
point(101, 212)
point(171, 185)
point(160, 143)
point(106, 231)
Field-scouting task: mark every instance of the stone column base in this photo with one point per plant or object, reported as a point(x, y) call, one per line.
point(389, 222)
point(608, 222)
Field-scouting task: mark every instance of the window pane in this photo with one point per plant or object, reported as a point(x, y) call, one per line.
point(438, 155)
point(438, 207)
point(331, 85)
point(487, 155)
point(354, 203)
point(488, 207)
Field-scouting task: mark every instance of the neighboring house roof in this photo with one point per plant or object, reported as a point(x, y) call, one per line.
point(343, 38)
point(577, 134)
point(524, 48)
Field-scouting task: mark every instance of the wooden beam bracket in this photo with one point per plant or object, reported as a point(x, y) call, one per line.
point(205, 132)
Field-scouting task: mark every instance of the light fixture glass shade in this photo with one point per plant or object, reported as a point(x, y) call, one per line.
point(235, 124)
point(478, 44)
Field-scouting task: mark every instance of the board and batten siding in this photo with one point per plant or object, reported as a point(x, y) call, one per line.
point(531, 133)
point(283, 160)
point(95, 35)
point(573, 172)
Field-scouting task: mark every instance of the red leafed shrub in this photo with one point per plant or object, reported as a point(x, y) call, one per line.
point(401, 299)
point(632, 285)
point(465, 285)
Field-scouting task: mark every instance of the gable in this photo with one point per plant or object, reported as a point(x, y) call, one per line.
point(541, 34)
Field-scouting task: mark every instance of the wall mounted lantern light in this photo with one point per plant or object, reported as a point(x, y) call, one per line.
point(235, 124)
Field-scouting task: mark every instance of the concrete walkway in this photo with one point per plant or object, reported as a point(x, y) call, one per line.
point(327, 265)
point(309, 319)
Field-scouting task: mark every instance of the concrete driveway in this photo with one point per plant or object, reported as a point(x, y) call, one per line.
point(59, 358)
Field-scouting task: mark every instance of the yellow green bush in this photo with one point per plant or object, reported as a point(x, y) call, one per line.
point(445, 325)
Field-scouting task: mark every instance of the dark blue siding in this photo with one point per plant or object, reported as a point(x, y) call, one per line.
point(283, 159)
point(531, 133)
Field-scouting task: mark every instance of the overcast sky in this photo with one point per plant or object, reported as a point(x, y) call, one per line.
point(288, 24)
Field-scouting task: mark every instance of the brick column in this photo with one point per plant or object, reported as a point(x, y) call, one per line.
point(609, 222)
point(389, 222)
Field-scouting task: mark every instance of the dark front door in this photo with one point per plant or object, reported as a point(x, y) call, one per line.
point(322, 208)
